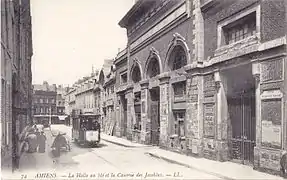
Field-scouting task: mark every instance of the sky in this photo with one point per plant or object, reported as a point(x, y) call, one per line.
point(71, 36)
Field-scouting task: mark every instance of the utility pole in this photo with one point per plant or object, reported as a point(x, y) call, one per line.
point(50, 119)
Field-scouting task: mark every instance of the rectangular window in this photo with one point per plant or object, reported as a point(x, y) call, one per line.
point(124, 78)
point(41, 100)
point(179, 120)
point(179, 90)
point(240, 29)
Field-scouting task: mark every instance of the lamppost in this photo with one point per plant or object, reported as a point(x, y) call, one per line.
point(50, 118)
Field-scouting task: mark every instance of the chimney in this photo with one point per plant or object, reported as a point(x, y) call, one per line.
point(54, 87)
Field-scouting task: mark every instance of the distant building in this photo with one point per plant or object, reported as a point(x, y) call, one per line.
point(108, 79)
point(48, 103)
point(60, 103)
point(44, 103)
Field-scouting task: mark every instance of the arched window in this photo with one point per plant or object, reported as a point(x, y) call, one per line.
point(177, 58)
point(101, 78)
point(153, 68)
point(136, 75)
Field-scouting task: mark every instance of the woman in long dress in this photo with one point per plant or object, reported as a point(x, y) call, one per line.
point(42, 142)
point(32, 141)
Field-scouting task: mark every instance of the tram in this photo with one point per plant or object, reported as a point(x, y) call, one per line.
point(86, 130)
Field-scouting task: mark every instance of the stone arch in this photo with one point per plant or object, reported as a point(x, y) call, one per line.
point(177, 43)
point(153, 58)
point(136, 72)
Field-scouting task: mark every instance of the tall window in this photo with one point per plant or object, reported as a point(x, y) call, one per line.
point(241, 29)
point(153, 68)
point(136, 76)
point(178, 58)
point(179, 119)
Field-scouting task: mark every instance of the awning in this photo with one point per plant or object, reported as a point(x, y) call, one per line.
point(62, 118)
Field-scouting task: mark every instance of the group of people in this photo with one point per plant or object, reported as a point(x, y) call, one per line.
point(35, 140)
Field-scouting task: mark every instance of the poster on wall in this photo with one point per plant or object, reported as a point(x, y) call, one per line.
point(209, 124)
point(271, 123)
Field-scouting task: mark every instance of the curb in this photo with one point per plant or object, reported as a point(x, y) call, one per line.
point(120, 144)
point(188, 166)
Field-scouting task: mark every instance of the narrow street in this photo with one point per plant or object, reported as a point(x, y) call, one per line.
point(123, 162)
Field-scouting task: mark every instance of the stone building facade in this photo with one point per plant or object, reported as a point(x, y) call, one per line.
point(44, 103)
point(60, 100)
point(84, 96)
point(161, 42)
point(207, 78)
point(16, 76)
point(70, 103)
point(107, 98)
point(121, 83)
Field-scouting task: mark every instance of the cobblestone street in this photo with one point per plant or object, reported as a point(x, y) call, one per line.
point(124, 162)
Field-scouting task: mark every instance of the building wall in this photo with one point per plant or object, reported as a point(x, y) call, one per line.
point(265, 55)
point(161, 42)
point(120, 90)
point(174, 25)
point(16, 52)
point(208, 124)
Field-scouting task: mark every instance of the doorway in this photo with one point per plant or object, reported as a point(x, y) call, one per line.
point(124, 116)
point(154, 115)
point(241, 110)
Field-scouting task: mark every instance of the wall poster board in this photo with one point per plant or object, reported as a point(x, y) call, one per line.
point(209, 120)
point(271, 112)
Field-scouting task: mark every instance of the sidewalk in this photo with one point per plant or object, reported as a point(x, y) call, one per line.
point(225, 170)
point(121, 141)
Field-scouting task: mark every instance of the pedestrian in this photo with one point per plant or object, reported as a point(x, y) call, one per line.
point(42, 142)
point(32, 141)
point(37, 133)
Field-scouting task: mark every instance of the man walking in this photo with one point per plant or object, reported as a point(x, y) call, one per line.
point(42, 142)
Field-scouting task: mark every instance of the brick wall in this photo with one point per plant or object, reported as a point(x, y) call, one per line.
point(273, 18)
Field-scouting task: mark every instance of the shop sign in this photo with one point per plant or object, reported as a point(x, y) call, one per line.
point(274, 94)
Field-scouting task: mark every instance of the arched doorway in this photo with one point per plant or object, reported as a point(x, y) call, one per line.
point(177, 60)
point(137, 121)
point(153, 69)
